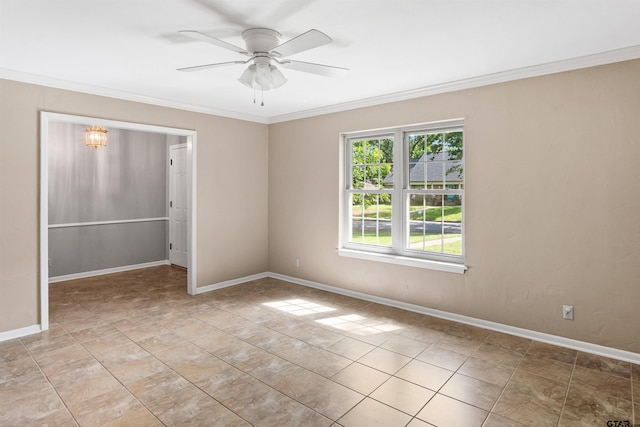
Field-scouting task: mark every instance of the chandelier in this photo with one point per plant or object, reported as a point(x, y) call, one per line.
point(95, 137)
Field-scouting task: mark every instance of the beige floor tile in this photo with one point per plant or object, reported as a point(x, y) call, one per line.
point(13, 350)
point(529, 404)
point(444, 411)
point(174, 353)
point(329, 398)
point(442, 357)
point(460, 345)
point(548, 368)
point(402, 395)
point(609, 384)
point(73, 370)
point(509, 341)
point(133, 370)
point(85, 387)
point(350, 348)
point(498, 354)
point(405, 346)
point(487, 371)
point(266, 367)
point(77, 325)
point(215, 414)
point(591, 406)
point(93, 333)
point(554, 352)
point(61, 417)
point(193, 366)
point(106, 343)
point(26, 399)
point(418, 423)
point(193, 330)
point(17, 367)
point(105, 407)
point(604, 364)
point(495, 420)
point(293, 381)
point(141, 417)
point(49, 343)
point(472, 391)
point(371, 413)
point(121, 354)
point(182, 405)
point(384, 360)
point(159, 384)
point(424, 374)
point(360, 378)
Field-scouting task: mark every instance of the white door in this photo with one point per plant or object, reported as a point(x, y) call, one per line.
point(178, 205)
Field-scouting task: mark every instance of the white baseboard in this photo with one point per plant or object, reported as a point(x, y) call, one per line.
point(21, 332)
point(586, 347)
point(93, 273)
point(227, 283)
point(512, 330)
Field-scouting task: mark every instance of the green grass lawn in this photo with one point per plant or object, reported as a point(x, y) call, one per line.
point(384, 239)
point(430, 213)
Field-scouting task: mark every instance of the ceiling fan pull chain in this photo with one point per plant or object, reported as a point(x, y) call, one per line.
point(262, 103)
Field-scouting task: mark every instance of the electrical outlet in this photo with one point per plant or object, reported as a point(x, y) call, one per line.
point(49, 262)
point(297, 262)
point(567, 312)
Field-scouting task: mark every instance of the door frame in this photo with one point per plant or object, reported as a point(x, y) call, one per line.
point(47, 117)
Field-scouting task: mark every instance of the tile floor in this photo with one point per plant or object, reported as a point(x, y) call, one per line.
point(133, 349)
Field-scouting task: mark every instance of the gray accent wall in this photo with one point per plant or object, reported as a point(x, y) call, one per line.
point(124, 181)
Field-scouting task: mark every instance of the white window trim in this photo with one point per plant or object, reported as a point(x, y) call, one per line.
point(395, 254)
point(430, 264)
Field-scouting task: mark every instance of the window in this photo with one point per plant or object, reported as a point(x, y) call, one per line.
point(404, 194)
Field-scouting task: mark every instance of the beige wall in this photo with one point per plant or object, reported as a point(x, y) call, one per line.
point(232, 165)
point(552, 200)
point(552, 174)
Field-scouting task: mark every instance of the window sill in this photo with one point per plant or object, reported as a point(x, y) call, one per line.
point(403, 260)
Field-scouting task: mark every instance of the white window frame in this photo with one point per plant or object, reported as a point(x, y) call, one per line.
point(397, 254)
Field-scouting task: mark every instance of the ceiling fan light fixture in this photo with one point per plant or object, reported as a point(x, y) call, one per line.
point(277, 78)
point(248, 76)
point(263, 76)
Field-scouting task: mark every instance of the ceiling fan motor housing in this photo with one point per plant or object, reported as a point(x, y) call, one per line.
point(261, 39)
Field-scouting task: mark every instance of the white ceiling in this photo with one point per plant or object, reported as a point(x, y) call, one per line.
point(395, 49)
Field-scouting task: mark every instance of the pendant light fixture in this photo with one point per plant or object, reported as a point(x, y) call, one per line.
point(95, 137)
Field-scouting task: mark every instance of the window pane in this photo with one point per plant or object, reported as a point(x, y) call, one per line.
point(435, 223)
point(372, 162)
point(357, 150)
point(417, 176)
point(453, 173)
point(371, 219)
point(435, 159)
point(358, 176)
point(453, 145)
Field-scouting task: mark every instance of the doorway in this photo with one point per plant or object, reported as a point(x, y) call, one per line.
point(188, 208)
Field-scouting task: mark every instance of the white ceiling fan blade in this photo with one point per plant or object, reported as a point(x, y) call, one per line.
point(207, 66)
point(305, 41)
point(322, 70)
point(210, 39)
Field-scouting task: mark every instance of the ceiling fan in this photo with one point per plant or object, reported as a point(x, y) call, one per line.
point(264, 51)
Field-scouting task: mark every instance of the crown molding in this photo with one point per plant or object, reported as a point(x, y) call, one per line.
point(603, 58)
point(40, 80)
